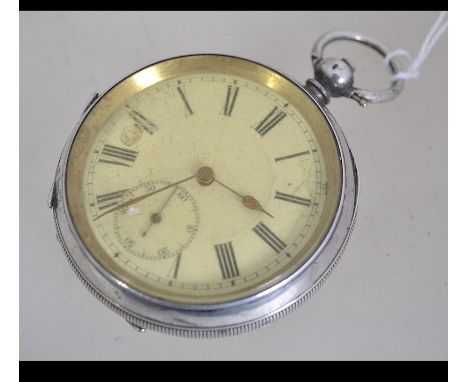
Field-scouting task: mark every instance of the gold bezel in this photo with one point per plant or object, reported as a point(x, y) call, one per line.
point(169, 69)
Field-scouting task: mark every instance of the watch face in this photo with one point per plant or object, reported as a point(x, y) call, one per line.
point(203, 180)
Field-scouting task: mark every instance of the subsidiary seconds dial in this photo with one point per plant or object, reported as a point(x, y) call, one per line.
point(159, 227)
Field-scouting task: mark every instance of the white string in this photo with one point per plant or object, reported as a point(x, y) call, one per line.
point(431, 39)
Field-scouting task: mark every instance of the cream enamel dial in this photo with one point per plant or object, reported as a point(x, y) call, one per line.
point(204, 187)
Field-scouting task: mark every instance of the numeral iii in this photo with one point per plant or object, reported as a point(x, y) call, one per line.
point(292, 198)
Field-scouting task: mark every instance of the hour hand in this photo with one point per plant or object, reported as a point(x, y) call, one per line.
point(247, 200)
point(252, 203)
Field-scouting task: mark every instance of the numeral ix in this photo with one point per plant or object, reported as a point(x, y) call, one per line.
point(108, 200)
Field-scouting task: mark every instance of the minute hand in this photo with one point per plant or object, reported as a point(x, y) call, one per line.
point(139, 198)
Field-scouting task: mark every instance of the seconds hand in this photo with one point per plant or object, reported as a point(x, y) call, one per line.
point(137, 199)
point(156, 217)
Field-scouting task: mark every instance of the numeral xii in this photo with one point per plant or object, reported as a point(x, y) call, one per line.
point(231, 97)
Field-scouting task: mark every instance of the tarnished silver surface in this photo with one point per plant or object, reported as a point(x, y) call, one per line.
point(91, 101)
point(335, 75)
point(51, 199)
point(215, 320)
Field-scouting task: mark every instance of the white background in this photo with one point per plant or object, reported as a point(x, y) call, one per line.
point(387, 299)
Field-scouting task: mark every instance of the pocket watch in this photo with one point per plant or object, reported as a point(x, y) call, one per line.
point(206, 195)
